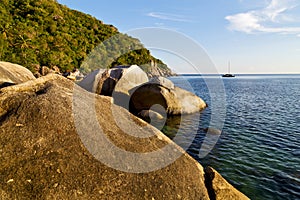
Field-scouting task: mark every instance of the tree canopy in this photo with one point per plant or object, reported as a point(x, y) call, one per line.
point(36, 33)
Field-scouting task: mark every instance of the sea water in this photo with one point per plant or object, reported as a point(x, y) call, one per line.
point(257, 141)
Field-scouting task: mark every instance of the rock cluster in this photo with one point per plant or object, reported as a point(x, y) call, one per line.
point(131, 89)
point(159, 71)
point(43, 71)
point(50, 148)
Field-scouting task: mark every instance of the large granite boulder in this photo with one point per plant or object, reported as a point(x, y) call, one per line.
point(162, 81)
point(90, 82)
point(115, 82)
point(219, 188)
point(104, 82)
point(47, 148)
point(161, 91)
point(11, 74)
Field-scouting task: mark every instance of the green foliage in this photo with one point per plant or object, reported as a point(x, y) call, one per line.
point(45, 33)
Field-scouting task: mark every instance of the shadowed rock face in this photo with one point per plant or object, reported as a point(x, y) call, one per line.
point(42, 156)
point(11, 74)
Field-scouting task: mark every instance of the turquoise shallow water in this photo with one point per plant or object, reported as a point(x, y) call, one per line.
point(258, 150)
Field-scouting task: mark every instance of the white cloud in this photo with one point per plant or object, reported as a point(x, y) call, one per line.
point(270, 19)
point(168, 16)
point(245, 22)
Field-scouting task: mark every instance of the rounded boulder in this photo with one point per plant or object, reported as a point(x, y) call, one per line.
point(173, 100)
point(12, 74)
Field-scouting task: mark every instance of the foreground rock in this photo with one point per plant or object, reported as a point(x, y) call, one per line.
point(43, 156)
point(219, 188)
point(172, 100)
point(11, 74)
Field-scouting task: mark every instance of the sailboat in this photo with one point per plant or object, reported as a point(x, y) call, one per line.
point(228, 75)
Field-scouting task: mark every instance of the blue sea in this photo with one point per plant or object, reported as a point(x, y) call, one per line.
point(250, 132)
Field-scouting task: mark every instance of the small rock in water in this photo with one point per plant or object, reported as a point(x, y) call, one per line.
point(212, 131)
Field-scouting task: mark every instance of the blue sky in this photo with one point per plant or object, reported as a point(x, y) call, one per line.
point(257, 36)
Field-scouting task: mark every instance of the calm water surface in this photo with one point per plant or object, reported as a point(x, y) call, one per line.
point(258, 150)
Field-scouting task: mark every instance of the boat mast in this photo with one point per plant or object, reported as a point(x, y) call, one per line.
point(228, 67)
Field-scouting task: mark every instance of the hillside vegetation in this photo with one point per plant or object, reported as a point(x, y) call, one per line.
point(36, 33)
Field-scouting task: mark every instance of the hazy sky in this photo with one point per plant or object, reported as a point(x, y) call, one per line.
point(257, 36)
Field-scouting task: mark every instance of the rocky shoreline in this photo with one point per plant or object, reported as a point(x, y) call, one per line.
point(44, 155)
